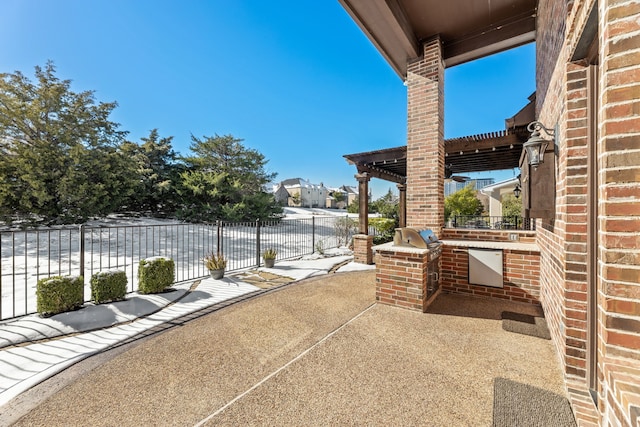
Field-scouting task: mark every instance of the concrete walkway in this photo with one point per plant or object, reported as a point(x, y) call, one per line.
point(34, 348)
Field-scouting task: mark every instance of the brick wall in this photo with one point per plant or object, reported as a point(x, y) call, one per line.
point(551, 232)
point(564, 239)
point(401, 278)
point(520, 268)
point(552, 31)
point(619, 213)
point(573, 212)
point(425, 139)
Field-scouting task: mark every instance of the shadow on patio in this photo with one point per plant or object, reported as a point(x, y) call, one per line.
point(317, 352)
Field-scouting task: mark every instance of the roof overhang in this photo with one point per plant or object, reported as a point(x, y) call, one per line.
point(389, 164)
point(469, 29)
point(476, 153)
point(507, 184)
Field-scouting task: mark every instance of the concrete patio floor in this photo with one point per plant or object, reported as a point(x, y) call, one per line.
point(316, 352)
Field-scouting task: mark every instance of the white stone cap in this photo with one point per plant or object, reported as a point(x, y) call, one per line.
point(402, 249)
point(485, 244)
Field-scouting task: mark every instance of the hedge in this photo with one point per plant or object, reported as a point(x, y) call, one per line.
point(59, 294)
point(108, 286)
point(155, 275)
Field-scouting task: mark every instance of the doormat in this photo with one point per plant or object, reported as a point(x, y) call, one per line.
point(525, 324)
point(522, 405)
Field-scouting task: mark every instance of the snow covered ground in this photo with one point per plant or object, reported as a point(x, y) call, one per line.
point(293, 212)
point(121, 242)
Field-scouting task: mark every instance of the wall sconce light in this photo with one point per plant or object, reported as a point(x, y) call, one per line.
point(517, 191)
point(536, 145)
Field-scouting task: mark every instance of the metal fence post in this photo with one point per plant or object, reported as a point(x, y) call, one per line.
point(258, 242)
point(313, 234)
point(218, 236)
point(81, 249)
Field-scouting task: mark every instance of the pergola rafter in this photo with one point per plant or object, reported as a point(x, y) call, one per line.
point(474, 153)
point(389, 164)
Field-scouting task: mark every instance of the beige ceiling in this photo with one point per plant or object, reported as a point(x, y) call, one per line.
point(469, 29)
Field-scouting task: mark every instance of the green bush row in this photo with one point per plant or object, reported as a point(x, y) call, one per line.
point(66, 293)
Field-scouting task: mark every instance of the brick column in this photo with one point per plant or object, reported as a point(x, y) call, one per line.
point(362, 252)
point(425, 139)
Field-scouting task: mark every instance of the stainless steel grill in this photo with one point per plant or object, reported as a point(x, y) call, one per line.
point(423, 239)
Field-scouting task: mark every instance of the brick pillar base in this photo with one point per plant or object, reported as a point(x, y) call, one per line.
point(362, 252)
point(401, 277)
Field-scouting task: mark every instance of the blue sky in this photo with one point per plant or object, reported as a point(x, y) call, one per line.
point(296, 79)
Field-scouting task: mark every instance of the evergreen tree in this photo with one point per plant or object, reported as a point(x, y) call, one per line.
point(387, 206)
point(157, 174)
point(60, 160)
point(225, 180)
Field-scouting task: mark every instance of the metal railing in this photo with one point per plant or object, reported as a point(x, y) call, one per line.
point(27, 256)
point(493, 222)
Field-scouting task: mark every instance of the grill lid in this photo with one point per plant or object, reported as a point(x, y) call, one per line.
point(429, 236)
point(413, 237)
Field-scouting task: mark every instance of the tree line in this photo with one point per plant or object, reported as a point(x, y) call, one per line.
point(63, 161)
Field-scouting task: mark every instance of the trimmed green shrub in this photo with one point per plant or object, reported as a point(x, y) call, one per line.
point(155, 274)
point(110, 285)
point(385, 229)
point(59, 294)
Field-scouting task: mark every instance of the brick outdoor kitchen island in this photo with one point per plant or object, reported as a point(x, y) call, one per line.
point(412, 277)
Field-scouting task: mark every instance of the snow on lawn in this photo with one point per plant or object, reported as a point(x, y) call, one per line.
point(309, 212)
point(121, 242)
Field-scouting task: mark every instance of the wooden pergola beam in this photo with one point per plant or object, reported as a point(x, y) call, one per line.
point(381, 174)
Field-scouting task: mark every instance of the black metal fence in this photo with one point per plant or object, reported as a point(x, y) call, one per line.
point(493, 222)
point(27, 256)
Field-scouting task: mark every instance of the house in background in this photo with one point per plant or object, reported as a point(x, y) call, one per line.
point(347, 196)
point(281, 194)
point(583, 258)
point(332, 200)
point(297, 192)
point(351, 194)
point(337, 199)
point(496, 192)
